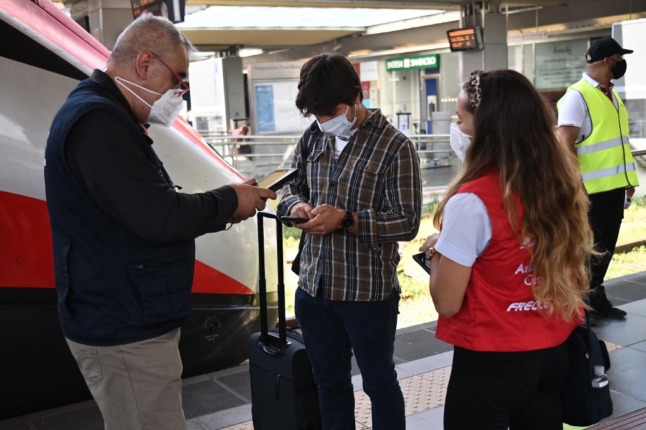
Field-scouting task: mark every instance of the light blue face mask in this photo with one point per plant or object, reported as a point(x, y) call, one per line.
point(339, 126)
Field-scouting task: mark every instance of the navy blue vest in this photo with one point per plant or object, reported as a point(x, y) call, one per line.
point(113, 286)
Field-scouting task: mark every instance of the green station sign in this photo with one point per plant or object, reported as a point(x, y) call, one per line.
point(431, 61)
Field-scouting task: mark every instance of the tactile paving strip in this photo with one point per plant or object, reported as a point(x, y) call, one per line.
point(421, 393)
point(425, 391)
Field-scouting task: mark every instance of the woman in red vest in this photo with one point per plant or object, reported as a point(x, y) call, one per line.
point(508, 267)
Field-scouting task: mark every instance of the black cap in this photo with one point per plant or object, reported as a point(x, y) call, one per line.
point(604, 48)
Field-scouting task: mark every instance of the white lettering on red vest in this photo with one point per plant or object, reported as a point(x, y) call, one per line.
point(524, 268)
point(531, 305)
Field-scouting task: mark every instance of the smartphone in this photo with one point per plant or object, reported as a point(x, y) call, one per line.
point(423, 261)
point(293, 219)
point(276, 179)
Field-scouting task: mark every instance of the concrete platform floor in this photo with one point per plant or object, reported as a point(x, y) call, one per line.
point(222, 400)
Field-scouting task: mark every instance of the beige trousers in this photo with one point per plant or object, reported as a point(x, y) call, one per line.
point(137, 386)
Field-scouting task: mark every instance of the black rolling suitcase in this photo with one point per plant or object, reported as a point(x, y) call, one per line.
point(283, 393)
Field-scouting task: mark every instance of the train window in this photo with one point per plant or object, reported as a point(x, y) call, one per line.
point(23, 49)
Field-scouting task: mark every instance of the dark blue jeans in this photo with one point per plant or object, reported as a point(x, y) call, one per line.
point(332, 330)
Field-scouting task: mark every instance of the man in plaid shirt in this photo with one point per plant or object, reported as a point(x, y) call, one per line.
point(359, 188)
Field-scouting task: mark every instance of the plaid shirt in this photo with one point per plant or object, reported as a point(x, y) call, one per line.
point(376, 176)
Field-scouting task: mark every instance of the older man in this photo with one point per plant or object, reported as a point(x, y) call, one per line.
point(123, 236)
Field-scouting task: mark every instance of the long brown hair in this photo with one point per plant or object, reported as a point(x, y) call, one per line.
point(515, 135)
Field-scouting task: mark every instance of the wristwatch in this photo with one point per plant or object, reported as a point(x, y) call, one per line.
point(348, 221)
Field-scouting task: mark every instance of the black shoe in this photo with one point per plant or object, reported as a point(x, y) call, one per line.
point(604, 309)
point(601, 307)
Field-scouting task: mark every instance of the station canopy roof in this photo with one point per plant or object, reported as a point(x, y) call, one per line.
point(216, 25)
point(264, 26)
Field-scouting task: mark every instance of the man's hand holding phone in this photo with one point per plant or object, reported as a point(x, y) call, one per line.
point(293, 220)
point(299, 214)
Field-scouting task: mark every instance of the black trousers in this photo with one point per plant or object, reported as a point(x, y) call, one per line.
point(605, 216)
point(501, 390)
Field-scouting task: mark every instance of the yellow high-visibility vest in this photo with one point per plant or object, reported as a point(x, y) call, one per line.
point(604, 156)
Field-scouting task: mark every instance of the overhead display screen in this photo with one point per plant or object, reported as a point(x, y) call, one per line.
point(465, 39)
point(171, 9)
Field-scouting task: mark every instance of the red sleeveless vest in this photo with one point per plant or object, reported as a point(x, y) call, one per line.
point(499, 312)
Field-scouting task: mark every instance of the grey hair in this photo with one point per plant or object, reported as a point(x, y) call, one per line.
point(151, 33)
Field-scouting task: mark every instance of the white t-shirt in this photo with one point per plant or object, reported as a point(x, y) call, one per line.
point(340, 143)
point(573, 111)
point(466, 229)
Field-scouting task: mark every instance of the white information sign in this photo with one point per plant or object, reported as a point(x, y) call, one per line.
point(276, 111)
point(559, 64)
point(273, 88)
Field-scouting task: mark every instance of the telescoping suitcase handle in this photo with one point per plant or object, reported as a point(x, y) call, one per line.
point(266, 341)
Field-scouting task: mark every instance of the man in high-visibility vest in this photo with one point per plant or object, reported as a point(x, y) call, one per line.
point(593, 121)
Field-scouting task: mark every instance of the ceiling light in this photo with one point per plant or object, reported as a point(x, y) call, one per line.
point(250, 52)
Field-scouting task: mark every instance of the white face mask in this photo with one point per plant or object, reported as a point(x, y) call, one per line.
point(459, 141)
point(339, 126)
point(164, 111)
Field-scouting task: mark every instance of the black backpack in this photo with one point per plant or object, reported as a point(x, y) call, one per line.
point(585, 396)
